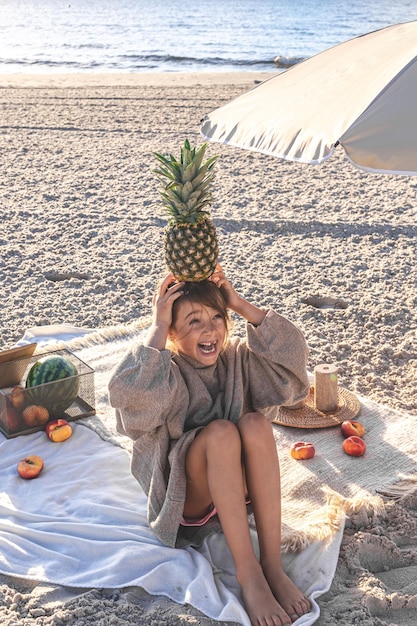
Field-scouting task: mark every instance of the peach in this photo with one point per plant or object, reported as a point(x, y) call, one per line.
point(58, 430)
point(18, 397)
point(354, 446)
point(35, 415)
point(351, 428)
point(302, 450)
point(14, 421)
point(30, 467)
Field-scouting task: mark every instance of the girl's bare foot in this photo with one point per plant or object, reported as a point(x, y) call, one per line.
point(261, 605)
point(292, 600)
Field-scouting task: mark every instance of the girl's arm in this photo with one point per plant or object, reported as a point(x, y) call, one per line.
point(146, 388)
point(147, 391)
point(274, 355)
point(250, 312)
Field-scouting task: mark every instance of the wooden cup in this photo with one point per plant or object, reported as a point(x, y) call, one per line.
point(325, 387)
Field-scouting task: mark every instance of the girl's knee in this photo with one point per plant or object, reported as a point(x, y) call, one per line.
point(221, 430)
point(222, 437)
point(218, 437)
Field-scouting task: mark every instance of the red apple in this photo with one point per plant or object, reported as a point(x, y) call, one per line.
point(302, 450)
point(354, 446)
point(351, 428)
point(30, 467)
point(14, 420)
point(35, 415)
point(58, 430)
point(18, 397)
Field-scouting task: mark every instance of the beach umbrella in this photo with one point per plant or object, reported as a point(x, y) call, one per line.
point(361, 95)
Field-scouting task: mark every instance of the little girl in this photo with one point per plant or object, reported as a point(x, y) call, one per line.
point(191, 399)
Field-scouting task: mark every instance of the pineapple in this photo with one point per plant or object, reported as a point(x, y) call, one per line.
point(190, 239)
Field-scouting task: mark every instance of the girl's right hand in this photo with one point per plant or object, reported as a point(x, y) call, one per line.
point(167, 292)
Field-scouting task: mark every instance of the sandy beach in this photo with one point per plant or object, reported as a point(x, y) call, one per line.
point(81, 245)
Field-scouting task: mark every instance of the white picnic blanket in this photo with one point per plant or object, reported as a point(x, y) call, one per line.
point(82, 523)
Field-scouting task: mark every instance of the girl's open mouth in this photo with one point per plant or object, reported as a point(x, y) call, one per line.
point(208, 347)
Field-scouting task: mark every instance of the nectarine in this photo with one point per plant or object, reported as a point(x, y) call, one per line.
point(14, 420)
point(18, 397)
point(354, 446)
point(302, 450)
point(35, 415)
point(58, 430)
point(30, 467)
point(351, 428)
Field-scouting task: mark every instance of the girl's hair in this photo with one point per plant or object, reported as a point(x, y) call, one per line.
point(205, 293)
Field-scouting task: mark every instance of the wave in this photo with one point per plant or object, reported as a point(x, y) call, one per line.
point(38, 63)
point(143, 62)
point(278, 61)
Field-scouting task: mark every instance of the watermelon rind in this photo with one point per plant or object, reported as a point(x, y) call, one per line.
point(52, 382)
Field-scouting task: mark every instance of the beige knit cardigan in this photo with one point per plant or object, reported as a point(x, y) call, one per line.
point(162, 400)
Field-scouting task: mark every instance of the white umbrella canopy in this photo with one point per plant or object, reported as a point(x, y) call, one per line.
point(361, 94)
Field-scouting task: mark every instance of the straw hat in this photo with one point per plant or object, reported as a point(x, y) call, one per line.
point(307, 416)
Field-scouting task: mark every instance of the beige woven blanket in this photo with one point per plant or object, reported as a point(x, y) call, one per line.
point(316, 493)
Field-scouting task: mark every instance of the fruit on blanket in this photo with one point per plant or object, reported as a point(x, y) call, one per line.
point(58, 430)
point(53, 383)
point(14, 419)
point(35, 415)
point(354, 446)
point(30, 467)
point(302, 450)
point(18, 397)
point(351, 428)
point(190, 239)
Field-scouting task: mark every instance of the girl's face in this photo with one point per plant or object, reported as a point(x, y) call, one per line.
point(199, 332)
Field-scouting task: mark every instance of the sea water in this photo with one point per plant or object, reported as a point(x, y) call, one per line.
point(44, 36)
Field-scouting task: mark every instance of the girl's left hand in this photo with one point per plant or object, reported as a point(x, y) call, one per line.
point(219, 278)
point(234, 301)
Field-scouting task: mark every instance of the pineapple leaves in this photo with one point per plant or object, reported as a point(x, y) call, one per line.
point(186, 183)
